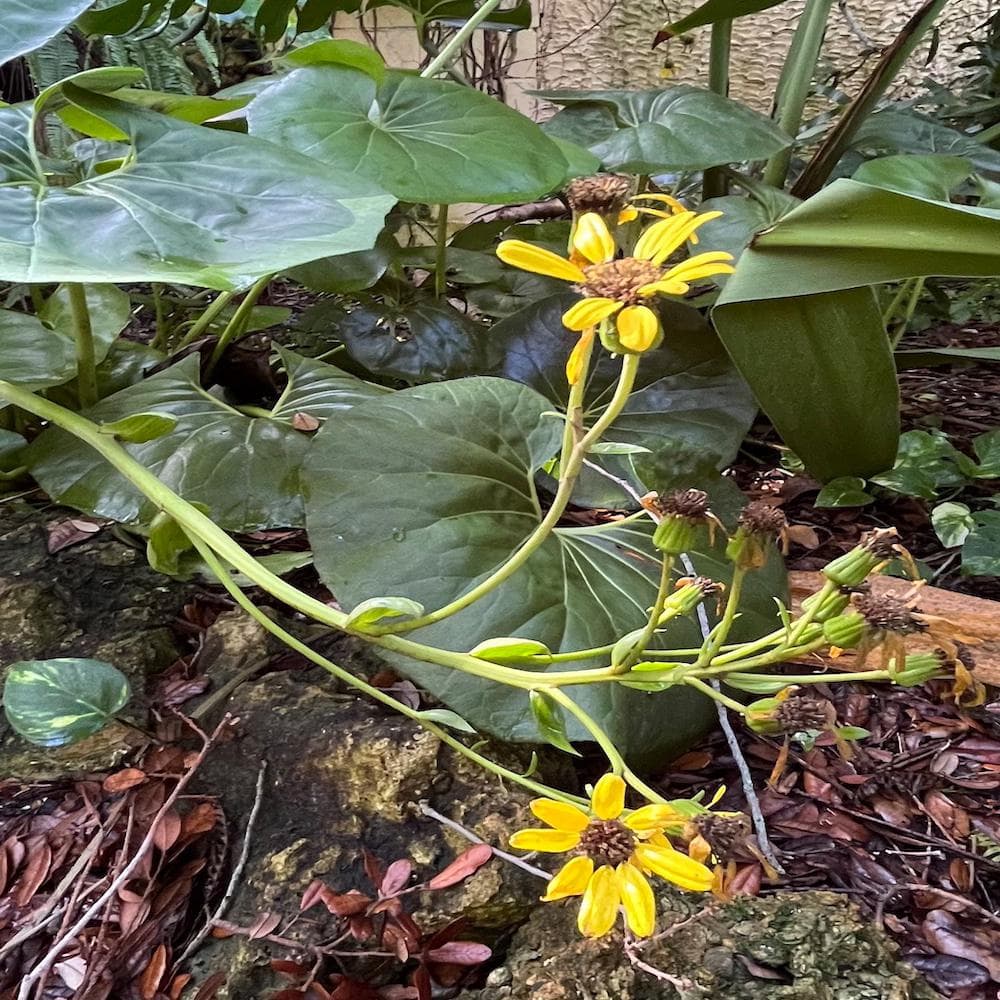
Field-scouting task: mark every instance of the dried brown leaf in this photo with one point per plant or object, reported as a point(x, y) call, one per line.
point(949, 937)
point(460, 953)
point(149, 981)
point(305, 422)
point(62, 534)
point(121, 781)
point(168, 830)
point(264, 924)
point(39, 861)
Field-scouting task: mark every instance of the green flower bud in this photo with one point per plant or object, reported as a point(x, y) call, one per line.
point(854, 567)
point(845, 631)
point(829, 607)
point(680, 513)
point(920, 668)
point(675, 534)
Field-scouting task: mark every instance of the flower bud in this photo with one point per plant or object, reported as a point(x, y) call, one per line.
point(760, 525)
point(854, 567)
point(681, 513)
point(689, 594)
point(845, 631)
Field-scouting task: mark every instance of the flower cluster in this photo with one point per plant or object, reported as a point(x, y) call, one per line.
point(615, 851)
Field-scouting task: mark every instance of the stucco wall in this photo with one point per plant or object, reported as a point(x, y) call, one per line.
point(607, 43)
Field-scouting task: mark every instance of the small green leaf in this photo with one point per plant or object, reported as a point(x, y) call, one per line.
point(551, 723)
point(510, 650)
point(755, 685)
point(340, 51)
point(445, 717)
point(852, 733)
point(981, 551)
point(54, 702)
point(952, 523)
point(987, 448)
point(372, 611)
point(711, 12)
point(140, 427)
point(618, 448)
point(846, 491)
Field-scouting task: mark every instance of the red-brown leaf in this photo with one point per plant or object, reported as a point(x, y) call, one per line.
point(149, 982)
point(63, 534)
point(396, 877)
point(211, 986)
point(121, 781)
point(460, 953)
point(305, 422)
point(168, 830)
point(201, 819)
point(347, 904)
point(177, 986)
point(264, 924)
point(313, 894)
point(35, 873)
point(466, 864)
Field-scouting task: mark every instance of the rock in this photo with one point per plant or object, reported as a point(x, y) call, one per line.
point(791, 946)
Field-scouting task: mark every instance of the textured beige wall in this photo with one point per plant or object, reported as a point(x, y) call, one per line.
point(606, 43)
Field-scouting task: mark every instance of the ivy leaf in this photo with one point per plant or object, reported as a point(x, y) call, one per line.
point(987, 448)
point(845, 491)
point(54, 702)
point(952, 523)
point(981, 551)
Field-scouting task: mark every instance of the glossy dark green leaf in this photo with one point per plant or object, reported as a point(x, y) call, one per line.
point(653, 131)
point(446, 497)
point(54, 702)
point(981, 551)
point(927, 463)
point(711, 12)
point(269, 208)
point(340, 51)
point(987, 449)
point(245, 470)
point(934, 177)
point(28, 24)
point(845, 491)
point(742, 219)
point(422, 140)
point(11, 447)
point(931, 357)
point(118, 17)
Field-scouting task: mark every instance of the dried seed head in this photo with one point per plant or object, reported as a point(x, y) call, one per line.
point(691, 504)
point(725, 834)
point(801, 711)
point(885, 613)
point(607, 842)
point(605, 194)
point(881, 542)
point(620, 279)
point(761, 518)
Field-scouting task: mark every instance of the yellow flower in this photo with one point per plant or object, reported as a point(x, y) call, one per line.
point(615, 852)
point(620, 287)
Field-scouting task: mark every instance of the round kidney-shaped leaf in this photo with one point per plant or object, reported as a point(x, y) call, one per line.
point(54, 702)
point(426, 492)
point(423, 140)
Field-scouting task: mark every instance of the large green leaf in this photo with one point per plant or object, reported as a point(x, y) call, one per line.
point(40, 351)
point(55, 702)
point(423, 140)
point(652, 131)
point(244, 469)
point(711, 12)
point(446, 496)
point(189, 204)
point(26, 25)
point(689, 398)
point(799, 312)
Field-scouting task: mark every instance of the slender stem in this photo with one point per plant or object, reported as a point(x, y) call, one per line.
point(716, 695)
point(160, 340)
point(237, 324)
point(450, 52)
point(441, 259)
point(655, 613)
point(988, 135)
point(897, 300)
point(911, 307)
point(569, 472)
point(37, 298)
point(205, 320)
point(714, 184)
point(86, 364)
point(829, 589)
point(714, 642)
point(796, 83)
point(225, 578)
point(786, 679)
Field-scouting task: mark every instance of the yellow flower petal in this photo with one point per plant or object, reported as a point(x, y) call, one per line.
point(638, 328)
point(666, 199)
point(608, 800)
point(669, 243)
point(599, 909)
point(663, 287)
point(661, 234)
point(538, 260)
point(651, 818)
point(674, 867)
point(702, 265)
point(627, 215)
point(549, 841)
point(560, 815)
point(637, 900)
point(589, 312)
point(571, 880)
point(593, 239)
point(577, 360)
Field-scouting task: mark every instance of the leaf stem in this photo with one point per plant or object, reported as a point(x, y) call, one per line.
point(238, 323)
point(569, 471)
point(83, 333)
point(721, 631)
point(441, 258)
point(718, 696)
point(714, 182)
point(450, 52)
point(655, 613)
point(205, 320)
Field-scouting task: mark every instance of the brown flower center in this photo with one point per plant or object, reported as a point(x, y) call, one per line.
point(605, 194)
point(619, 280)
point(607, 842)
point(763, 519)
point(888, 614)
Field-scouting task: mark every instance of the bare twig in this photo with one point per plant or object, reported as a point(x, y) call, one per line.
point(746, 778)
point(237, 873)
point(630, 947)
point(469, 835)
point(69, 936)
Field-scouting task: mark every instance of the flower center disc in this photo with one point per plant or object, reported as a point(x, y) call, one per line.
point(607, 842)
point(620, 279)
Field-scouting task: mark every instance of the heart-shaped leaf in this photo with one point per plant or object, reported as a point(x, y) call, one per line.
point(28, 24)
point(54, 702)
point(145, 219)
point(654, 131)
point(245, 470)
point(423, 140)
point(447, 496)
